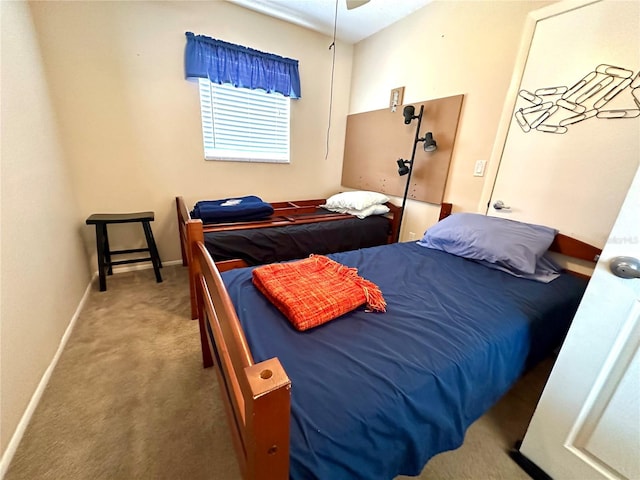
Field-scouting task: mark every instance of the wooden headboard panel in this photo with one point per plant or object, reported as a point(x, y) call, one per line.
point(375, 140)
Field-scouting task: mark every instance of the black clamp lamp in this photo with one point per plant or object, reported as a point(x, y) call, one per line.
point(405, 167)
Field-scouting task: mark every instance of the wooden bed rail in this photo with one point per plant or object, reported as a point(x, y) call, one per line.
point(183, 218)
point(257, 396)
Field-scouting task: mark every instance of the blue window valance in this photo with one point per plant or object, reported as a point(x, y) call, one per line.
point(223, 62)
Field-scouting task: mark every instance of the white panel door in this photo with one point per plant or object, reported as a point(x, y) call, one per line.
point(573, 181)
point(587, 423)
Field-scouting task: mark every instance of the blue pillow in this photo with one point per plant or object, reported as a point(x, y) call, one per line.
point(505, 243)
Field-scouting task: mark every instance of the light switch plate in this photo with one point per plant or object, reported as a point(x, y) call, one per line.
point(478, 170)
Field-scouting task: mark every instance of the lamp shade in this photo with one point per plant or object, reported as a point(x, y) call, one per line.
point(429, 143)
point(408, 113)
point(402, 167)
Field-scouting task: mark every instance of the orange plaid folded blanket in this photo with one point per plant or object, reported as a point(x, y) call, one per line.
point(313, 291)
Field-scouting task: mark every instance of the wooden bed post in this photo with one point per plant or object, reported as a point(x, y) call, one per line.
point(394, 231)
point(194, 235)
point(267, 417)
point(181, 210)
point(445, 210)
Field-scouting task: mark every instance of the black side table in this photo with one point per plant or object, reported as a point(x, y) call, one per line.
point(105, 263)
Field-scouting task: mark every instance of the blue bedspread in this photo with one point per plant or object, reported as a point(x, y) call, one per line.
point(375, 395)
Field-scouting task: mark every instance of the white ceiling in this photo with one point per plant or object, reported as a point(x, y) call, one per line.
point(319, 15)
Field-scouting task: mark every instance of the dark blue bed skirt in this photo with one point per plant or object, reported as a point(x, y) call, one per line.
point(376, 395)
point(258, 246)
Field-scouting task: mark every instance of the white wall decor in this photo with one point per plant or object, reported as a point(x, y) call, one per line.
point(553, 109)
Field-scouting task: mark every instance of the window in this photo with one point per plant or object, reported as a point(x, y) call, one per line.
point(240, 124)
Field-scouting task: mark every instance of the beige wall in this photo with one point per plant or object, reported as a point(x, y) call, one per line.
point(44, 269)
point(130, 121)
point(446, 48)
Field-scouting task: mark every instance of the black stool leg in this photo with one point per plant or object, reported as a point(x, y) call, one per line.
point(155, 247)
point(107, 251)
point(101, 264)
point(155, 258)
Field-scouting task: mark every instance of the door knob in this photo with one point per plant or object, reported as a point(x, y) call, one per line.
point(499, 205)
point(625, 267)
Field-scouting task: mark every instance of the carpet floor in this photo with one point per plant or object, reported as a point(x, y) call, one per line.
point(129, 399)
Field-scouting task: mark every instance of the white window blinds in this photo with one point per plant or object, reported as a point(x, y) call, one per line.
point(239, 124)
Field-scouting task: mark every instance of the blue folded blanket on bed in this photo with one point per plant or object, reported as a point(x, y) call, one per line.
point(238, 209)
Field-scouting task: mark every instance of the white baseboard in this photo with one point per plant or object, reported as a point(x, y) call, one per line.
point(10, 451)
point(140, 266)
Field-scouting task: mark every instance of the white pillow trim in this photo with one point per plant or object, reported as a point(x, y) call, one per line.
point(355, 200)
point(366, 212)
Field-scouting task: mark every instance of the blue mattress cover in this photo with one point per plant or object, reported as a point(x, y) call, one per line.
point(376, 395)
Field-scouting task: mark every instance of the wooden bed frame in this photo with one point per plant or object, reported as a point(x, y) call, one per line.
point(285, 213)
point(257, 395)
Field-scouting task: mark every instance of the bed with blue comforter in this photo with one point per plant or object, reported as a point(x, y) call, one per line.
point(376, 395)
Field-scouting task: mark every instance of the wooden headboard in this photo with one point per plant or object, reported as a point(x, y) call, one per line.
point(572, 247)
point(562, 244)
